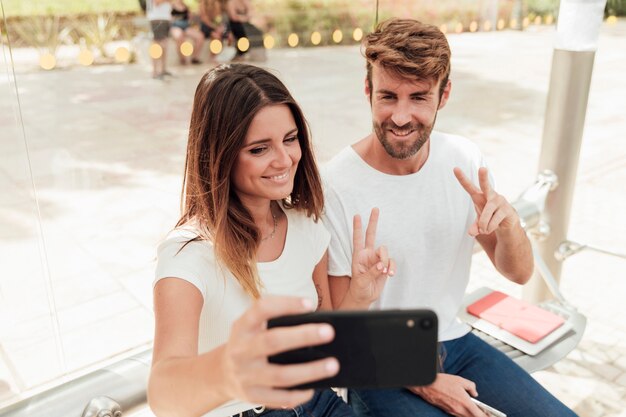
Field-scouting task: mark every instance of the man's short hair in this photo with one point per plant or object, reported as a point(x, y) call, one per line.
point(410, 49)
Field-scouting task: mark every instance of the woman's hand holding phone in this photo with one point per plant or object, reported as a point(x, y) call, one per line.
point(371, 266)
point(248, 376)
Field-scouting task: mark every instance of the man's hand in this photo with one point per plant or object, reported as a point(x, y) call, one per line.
point(451, 393)
point(493, 211)
point(370, 266)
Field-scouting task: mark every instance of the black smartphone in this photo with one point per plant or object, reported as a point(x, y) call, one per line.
point(375, 349)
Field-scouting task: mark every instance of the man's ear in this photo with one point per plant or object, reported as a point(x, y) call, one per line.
point(368, 92)
point(445, 95)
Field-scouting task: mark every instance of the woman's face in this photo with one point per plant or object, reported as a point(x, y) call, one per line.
point(266, 165)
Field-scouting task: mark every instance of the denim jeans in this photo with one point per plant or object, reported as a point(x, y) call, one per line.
point(500, 382)
point(325, 403)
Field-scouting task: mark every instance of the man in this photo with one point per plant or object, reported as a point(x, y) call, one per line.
point(435, 198)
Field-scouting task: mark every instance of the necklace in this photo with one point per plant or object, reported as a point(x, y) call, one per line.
point(271, 235)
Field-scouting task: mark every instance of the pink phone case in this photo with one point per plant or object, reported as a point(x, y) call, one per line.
point(518, 317)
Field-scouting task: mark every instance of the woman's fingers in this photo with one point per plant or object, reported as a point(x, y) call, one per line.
point(285, 376)
point(370, 233)
point(272, 306)
point(284, 338)
point(383, 260)
point(357, 234)
point(277, 398)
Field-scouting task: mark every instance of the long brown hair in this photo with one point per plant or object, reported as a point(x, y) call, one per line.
point(227, 99)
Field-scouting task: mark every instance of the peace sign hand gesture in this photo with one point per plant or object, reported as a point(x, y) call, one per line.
point(370, 266)
point(493, 211)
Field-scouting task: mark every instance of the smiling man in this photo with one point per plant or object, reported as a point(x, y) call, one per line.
point(436, 199)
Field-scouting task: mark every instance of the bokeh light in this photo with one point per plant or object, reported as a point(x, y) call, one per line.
point(316, 38)
point(85, 57)
point(122, 54)
point(186, 48)
point(155, 51)
point(357, 35)
point(473, 27)
point(459, 27)
point(215, 46)
point(293, 40)
point(487, 26)
point(443, 28)
point(337, 36)
point(501, 24)
point(243, 44)
point(47, 61)
point(269, 42)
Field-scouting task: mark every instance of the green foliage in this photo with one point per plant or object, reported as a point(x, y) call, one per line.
point(615, 8)
point(543, 7)
point(97, 31)
point(44, 33)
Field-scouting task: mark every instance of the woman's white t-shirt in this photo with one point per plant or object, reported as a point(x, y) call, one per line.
point(224, 299)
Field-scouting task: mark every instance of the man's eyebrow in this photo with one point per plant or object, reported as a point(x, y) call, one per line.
point(386, 92)
point(265, 140)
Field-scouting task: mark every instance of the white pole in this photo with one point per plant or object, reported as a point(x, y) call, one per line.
point(572, 65)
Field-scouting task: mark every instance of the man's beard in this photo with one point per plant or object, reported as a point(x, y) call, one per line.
point(401, 150)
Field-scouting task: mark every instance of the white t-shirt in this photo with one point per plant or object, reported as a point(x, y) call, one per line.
point(424, 218)
point(224, 299)
point(161, 11)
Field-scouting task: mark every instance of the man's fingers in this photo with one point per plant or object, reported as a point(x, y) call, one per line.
point(483, 180)
point(370, 233)
point(469, 386)
point(392, 267)
point(383, 260)
point(473, 230)
point(465, 182)
point(357, 233)
point(283, 338)
point(273, 306)
point(486, 215)
point(495, 221)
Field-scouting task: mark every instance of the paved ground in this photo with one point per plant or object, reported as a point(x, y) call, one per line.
point(106, 147)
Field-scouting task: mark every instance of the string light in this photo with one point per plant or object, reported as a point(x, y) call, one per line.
point(215, 46)
point(443, 28)
point(459, 27)
point(293, 40)
point(186, 48)
point(85, 57)
point(269, 42)
point(337, 36)
point(316, 38)
point(122, 54)
point(243, 44)
point(473, 26)
point(47, 61)
point(487, 26)
point(155, 51)
point(501, 24)
point(357, 35)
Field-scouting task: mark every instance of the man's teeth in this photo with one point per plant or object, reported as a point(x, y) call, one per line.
point(401, 132)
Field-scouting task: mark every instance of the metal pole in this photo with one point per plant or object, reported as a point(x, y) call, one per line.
point(572, 65)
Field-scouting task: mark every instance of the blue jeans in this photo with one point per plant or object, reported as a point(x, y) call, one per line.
point(325, 403)
point(500, 382)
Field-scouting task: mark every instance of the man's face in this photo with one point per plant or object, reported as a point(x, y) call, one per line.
point(403, 111)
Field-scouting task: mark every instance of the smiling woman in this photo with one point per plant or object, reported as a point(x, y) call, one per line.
point(248, 247)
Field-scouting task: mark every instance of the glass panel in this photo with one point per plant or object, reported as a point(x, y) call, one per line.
point(29, 337)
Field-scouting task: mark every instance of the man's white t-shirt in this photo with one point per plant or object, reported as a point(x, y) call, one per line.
point(424, 219)
point(224, 299)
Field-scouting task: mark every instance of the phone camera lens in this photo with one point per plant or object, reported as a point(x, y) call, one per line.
point(426, 324)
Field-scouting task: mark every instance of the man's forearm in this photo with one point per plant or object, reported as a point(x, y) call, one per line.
point(513, 254)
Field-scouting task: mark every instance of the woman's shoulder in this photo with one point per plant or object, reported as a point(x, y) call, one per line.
point(186, 239)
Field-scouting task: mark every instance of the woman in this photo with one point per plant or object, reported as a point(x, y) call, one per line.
point(248, 247)
point(182, 29)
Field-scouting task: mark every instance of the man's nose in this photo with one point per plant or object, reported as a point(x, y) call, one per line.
point(401, 114)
